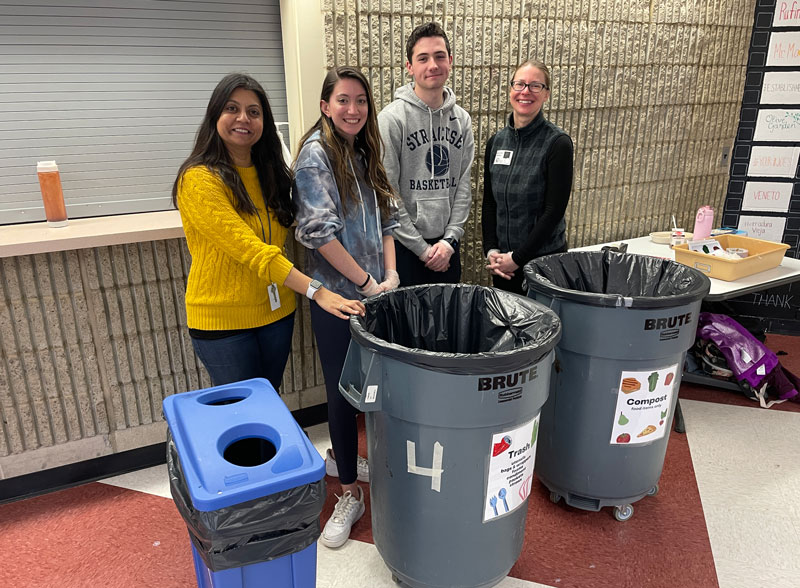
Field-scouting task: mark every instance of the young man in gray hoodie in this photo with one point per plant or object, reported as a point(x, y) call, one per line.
point(429, 149)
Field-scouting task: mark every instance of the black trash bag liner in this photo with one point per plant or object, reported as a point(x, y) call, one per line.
point(457, 328)
point(252, 532)
point(608, 278)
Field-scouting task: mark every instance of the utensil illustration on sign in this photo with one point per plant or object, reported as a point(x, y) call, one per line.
point(502, 495)
point(493, 504)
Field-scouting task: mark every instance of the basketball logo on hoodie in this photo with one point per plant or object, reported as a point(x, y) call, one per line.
point(437, 159)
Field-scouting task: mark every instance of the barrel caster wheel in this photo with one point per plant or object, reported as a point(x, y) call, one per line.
point(555, 497)
point(623, 513)
point(653, 491)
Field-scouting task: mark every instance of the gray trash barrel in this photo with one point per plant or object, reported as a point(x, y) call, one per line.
point(452, 378)
point(628, 321)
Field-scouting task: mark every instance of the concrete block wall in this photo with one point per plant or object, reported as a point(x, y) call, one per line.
point(92, 341)
point(649, 91)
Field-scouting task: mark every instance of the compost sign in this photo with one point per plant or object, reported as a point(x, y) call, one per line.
point(510, 469)
point(643, 403)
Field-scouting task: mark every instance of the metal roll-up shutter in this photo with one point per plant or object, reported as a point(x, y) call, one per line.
point(115, 91)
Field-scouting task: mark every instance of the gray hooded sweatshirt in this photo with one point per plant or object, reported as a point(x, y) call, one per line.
point(428, 159)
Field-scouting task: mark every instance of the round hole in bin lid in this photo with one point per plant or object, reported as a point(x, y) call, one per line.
point(249, 452)
point(224, 396)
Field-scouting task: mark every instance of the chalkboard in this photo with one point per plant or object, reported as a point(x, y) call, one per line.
point(763, 195)
point(776, 310)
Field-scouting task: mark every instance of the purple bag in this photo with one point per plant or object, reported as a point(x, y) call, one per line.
point(747, 357)
point(753, 365)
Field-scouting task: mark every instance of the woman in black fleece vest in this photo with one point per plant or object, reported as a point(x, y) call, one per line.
point(527, 182)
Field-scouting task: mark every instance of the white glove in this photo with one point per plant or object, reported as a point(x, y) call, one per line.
point(370, 289)
point(392, 280)
point(425, 254)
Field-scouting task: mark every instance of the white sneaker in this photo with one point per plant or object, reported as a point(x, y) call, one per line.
point(346, 512)
point(362, 467)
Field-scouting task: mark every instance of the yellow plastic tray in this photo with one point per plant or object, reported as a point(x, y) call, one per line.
point(763, 255)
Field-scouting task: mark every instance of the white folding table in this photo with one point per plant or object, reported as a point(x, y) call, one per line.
point(788, 271)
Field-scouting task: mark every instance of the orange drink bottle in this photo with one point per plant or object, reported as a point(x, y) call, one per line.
point(52, 195)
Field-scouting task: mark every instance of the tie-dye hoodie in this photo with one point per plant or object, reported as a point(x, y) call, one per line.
point(321, 218)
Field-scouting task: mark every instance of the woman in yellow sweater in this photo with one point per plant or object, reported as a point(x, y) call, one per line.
point(233, 193)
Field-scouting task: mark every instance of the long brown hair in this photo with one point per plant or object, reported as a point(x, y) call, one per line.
point(267, 154)
point(367, 142)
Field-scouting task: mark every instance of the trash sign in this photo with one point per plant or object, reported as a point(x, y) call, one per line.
point(510, 469)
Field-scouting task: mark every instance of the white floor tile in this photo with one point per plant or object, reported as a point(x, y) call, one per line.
point(153, 480)
point(748, 475)
point(734, 435)
point(319, 437)
point(359, 565)
point(737, 574)
point(764, 542)
point(769, 492)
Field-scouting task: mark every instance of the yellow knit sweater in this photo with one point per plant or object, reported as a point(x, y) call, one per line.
point(232, 266)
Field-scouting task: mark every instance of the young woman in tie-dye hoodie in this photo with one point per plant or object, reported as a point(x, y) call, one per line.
point(345, 218)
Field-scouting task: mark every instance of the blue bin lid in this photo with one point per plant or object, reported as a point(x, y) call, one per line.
point(249, 414)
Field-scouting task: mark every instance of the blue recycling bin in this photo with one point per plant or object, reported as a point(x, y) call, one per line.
point(249, 484)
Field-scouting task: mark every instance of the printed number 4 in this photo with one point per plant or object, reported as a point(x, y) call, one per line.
point(434, 472)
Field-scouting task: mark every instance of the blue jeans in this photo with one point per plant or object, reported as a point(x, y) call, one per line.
point(258, 353)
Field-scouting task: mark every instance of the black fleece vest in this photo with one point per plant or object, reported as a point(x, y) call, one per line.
point(519, 188)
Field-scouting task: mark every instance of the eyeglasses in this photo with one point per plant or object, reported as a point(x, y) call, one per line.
point(534, 87)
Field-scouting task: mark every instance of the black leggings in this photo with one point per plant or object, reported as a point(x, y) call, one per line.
point(333, 339)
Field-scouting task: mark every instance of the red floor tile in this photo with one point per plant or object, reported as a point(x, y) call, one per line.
point(94, 536)
point(665, 544)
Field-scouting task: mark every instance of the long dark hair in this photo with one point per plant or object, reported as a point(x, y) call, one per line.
point(367, 142)
point(267, 155)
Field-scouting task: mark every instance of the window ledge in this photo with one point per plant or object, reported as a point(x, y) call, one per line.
point(86, 233)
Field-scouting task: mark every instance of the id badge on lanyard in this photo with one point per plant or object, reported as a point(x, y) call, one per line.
point(274, 296)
